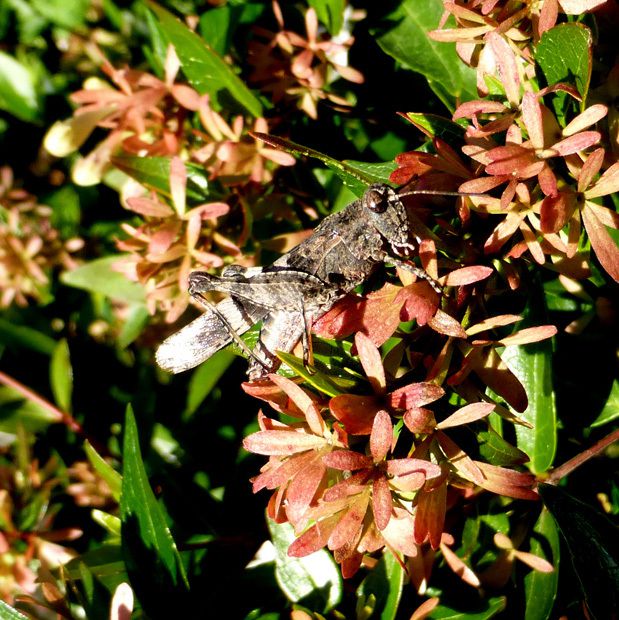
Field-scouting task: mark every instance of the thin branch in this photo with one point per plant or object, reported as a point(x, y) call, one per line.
point(58, 416)
point(579, 459)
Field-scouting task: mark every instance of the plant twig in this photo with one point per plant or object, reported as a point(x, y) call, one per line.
point(579, 459)
point(58, 416)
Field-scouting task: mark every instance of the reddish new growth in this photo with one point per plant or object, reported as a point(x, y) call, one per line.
point(360, 472)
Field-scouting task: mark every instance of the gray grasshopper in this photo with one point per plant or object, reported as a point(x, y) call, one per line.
point(298, 288)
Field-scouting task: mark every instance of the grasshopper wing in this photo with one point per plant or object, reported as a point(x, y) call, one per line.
point(204, 336)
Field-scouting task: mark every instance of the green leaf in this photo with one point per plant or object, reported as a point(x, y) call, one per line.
point(68, 15)
point(146, 537)
point(564, 55)
point(205, 378)
point(206, 71)
point(497, 451)
point(610, 411)
point(375, 173)
point(435, 126)
point(154, 173)
point(330, 13)
point(108, 522)
point(351, 174)
point(314, 580)
point(381, 590)
point(105, 470)
point(407, 41)
point(105, 563)
point(320, 380)
point(61, 376)
point(218, 24)
point(486, 609)
point(66, 215)
point(532, 364)
point(137, 320)
point(98, 276)
point(541, 588)
point(26, 337)
point(9, 613)
point(593, 546)
point(17, 90)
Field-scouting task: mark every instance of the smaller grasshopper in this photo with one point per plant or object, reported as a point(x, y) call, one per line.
point(299, 288)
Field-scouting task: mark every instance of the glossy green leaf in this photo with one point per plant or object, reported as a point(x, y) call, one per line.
point(17, 90)
point(206, 71)
point(564, 55)
point(610, 411)
point(375, 173)
point(146, 537)
point(137, 319)
point(532, 364)
point(350, 174)
point(99, 276)
point(105, 470)
point(406, 40)
point(382, 588)
point(435, 126)
point(205, 378)
point(314, 580)
point(320, 380)
point(497, 450)
point(26, 337)
point(105, 563)
point(330, 13)
point(109, 522)
point(541, 588)
point(593, 547)
point(486, 609)
point(154, 173)
point(10, 613)
point(61, 376)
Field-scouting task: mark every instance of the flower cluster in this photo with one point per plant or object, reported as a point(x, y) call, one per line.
point(291, 67)
point(30, 246)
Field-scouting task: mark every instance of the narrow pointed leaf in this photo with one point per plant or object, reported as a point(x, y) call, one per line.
point(146, 537)
point(205, 69)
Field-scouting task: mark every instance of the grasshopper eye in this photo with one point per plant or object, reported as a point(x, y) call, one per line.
point(375, 200)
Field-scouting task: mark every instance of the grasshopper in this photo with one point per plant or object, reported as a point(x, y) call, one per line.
point(298, 288)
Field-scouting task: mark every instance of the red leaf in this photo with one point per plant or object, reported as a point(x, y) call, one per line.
point(356, 413)
point(602, 243)
point(347, 460)
point(302, 489)
point(415, 395)
point(377, 316)
point(507, 482)
point(468, 275)
point(314, 539)
point(556, 211)
point(283, 443)
point(348, 530)
point(381, 436)
point(430, 516)
point(369, 356)
point(445, 324)
point(469, 413)
point(382, 504)
point(419, 301)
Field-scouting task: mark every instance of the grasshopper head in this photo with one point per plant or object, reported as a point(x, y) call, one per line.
point(388, 216)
